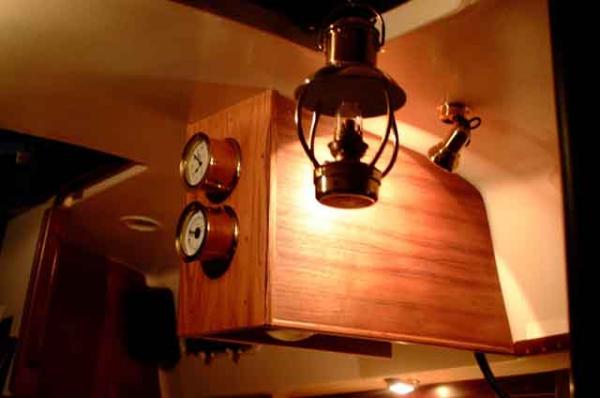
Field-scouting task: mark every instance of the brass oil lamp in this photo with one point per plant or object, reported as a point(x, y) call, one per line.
point(350, 87)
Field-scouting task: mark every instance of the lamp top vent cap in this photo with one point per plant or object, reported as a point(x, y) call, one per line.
point(350, 44)
point(362, 84)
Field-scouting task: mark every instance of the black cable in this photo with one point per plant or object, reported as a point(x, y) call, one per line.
point(484, 366)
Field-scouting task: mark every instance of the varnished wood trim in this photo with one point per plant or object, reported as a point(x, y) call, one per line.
point(543, 345)
point(323, 342)
point(394, 337)
point(271, 204)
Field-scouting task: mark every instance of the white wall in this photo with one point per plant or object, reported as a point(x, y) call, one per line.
point(16, 259)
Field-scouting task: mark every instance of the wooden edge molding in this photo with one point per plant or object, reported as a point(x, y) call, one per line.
point(543, 345)
point(322, 342)
point(396, 337)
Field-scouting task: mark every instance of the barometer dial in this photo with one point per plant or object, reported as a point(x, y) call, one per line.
point(208, 235)
point(191, 231)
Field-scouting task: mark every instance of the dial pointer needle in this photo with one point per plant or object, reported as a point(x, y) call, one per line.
point(199, 163)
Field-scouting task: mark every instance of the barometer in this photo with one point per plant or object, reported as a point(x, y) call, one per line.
point(208, 235)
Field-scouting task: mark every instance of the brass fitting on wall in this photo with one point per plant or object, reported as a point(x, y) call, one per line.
point(446, 153)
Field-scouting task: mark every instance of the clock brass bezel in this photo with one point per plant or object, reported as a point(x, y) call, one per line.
point(189, 145)
point(215, 191)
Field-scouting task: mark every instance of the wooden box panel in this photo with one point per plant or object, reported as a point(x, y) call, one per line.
point(237, 299)
point(418, 266)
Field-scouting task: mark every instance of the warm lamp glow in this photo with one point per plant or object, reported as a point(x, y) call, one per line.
point(443, 391)
point(401, 387)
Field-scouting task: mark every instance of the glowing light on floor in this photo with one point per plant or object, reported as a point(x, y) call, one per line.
point(401, 387)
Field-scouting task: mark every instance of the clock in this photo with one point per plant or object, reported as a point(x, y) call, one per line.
point(208, 235)
point(211, 165)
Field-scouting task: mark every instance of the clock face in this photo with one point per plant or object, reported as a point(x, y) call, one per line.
point(196, 160)
point(192, 231)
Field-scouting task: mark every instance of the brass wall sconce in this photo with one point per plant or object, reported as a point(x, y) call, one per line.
point(446, 154)
point(350, 87)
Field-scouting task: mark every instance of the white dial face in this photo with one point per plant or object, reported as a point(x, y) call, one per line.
point(192, 234)
point(196, 162)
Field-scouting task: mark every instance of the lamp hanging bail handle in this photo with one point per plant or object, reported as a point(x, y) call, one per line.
point(391, 125)
point(313, 130)
point(333, 15)
point(396, 149)
point(300, 130)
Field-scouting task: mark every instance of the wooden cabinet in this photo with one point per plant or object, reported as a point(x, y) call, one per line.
point(72, 337)
point(418, 266)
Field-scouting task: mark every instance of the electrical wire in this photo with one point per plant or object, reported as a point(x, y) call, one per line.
point(484, 366)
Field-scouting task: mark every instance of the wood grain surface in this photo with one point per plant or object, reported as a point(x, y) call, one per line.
point(236, 299)
point(417, 266)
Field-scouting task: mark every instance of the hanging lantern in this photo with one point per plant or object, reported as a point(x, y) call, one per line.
point(350, 87)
